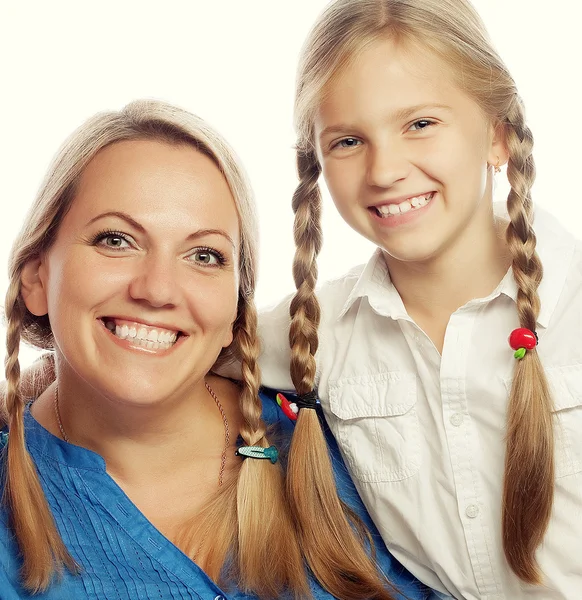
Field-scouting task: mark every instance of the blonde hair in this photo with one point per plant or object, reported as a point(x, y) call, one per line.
point(253, 540)
point(453, 31)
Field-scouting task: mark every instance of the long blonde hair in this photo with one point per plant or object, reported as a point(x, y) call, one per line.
point(254, 537)
point(453, 31)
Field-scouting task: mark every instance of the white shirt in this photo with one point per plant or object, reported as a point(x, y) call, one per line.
point(423, 433)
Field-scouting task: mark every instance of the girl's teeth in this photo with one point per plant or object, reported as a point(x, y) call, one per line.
point(132, 332)
point(404, 207)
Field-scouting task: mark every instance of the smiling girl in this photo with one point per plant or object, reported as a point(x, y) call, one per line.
point(466, 448)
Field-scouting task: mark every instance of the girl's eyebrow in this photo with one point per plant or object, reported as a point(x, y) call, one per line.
point(399, 115)
point(125, 217)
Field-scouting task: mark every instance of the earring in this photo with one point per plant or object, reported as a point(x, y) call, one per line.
point(497, 166)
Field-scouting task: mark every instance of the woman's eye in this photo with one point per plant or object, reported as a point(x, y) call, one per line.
point(112, 240)
point(421, 124)
point(207, 257)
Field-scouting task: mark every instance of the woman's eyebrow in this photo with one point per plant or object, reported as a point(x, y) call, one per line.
point(119, 215)
point(125, 217)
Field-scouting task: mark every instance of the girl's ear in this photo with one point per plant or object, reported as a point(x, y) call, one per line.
point(498, 153)
point(33, 288)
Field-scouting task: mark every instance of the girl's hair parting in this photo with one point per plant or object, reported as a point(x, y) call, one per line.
point(253, 541)
point(453, 31)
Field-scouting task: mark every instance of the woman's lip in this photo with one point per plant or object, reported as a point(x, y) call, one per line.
point(129, 321)
point(127, 344)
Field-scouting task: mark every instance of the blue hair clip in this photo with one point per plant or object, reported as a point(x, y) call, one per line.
point(258, 452)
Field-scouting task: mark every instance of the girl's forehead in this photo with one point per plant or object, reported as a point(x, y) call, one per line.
point(391, 75)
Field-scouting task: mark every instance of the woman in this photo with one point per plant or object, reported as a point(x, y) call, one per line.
point(136, 266)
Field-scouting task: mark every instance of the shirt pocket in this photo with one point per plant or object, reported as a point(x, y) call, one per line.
point(566, 388)
point(376, 425)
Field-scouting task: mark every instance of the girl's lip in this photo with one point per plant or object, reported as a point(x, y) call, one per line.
point(393, 221)
point(401, 199)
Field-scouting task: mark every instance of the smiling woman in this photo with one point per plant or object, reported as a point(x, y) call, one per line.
point(125, 478)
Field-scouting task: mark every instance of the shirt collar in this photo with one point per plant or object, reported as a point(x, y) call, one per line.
point(555, 247)
point(375, 285)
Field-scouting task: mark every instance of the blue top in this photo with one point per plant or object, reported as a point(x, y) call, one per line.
point(122, 555)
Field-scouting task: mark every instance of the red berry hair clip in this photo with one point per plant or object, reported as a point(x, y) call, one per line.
point(521, 340)
point(290, 409)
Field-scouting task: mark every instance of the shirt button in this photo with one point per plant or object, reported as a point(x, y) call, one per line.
point(472, 511)
point(456, 419)
point(219, 598)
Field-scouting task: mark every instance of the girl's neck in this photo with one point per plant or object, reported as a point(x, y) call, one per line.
point(471, 268)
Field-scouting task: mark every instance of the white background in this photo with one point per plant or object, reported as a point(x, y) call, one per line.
point(233, 63)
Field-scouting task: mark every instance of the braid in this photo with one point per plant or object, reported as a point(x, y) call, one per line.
point(267, 539)
point(529, 463)
point(304, 309)
point(330, 534)
point(31, 520)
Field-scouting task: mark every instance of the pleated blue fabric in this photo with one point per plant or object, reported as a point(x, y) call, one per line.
point(121, 554)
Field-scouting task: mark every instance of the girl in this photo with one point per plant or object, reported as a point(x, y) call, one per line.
point(137, 266)
point(465, 448)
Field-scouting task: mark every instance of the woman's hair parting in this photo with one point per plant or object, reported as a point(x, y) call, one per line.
point(253, 539)
point(453, 31)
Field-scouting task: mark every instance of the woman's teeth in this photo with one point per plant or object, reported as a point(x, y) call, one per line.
point(389, 210)
point(140, 335)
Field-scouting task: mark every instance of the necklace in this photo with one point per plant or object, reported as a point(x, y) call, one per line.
point(58, 415)
point(218, 405)
point(226, 433)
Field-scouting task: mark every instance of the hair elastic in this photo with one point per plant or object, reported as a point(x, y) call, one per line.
point(258, 452)
point(521, 340)
point(308, 400)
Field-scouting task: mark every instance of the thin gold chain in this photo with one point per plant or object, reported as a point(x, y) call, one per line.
point(58, 414)
point(218, 405)
point(226, 433)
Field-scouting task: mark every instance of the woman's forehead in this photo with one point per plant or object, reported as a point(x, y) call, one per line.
point(165, 185)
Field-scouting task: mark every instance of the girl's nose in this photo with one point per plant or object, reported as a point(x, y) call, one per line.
point(386, 165)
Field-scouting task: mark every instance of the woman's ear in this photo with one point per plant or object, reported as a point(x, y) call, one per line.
point(33, 288)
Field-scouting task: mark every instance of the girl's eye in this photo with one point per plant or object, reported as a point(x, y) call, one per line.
point(421, 124)
point(112, 240)
point(207, 257)
point(348, 143)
